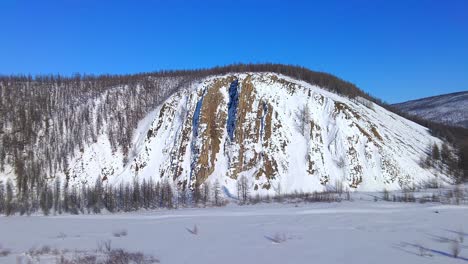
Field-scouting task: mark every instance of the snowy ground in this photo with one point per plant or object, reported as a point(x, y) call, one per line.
point(361, 231)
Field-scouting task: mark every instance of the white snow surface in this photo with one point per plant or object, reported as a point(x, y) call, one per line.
point(348, 232)
point(354, 142)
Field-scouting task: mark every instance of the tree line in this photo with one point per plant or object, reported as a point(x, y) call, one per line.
point(58, 198)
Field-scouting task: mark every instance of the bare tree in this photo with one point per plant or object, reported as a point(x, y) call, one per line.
point(303, 120)
point(57, 197)
point(2, 198)
point(278, 193)
point(9, 203)
point(243, 189)
point(217, 193)
point(197, 194)
point(182, 191)
point(455, 248)
point(206, 193)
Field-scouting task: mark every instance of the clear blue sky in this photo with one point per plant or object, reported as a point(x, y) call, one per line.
point(396, 50)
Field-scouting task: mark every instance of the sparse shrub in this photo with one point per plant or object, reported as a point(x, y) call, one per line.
point(321, 197)
point(243, 189)
point(4, 252)
point(278, 193)
point(340, 163)
point(105, 246)
point(115, 256)
point(120, 233)
point(455, 248)
point(424, 199)
point(122, 256)
point(339, 187)
point(44, 250)
point(61, 235)
point(386, 195)
point(218, 200)
point(408, 196)
point(88, 259)
point(348, 195)
point(103, 255)
point(256, 199)
point(277, 238)
point(422, 251)
point(454, 196)
point(458, 193)
point(432, 184)
point(193, 231)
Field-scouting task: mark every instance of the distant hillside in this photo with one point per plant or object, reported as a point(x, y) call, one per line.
point(450, 109)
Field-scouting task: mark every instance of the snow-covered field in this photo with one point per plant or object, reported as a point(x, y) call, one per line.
point(361, 231)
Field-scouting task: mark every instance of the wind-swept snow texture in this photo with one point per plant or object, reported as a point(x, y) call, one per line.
point(335, 233)
point(249, 124)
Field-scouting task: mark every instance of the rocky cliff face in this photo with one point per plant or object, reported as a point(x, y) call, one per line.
point(276, 131)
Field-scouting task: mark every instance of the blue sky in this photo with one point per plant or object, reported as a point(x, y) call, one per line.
point(395, 50)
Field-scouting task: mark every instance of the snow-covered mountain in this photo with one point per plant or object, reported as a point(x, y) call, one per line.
point(450, 109)
point(277, 131)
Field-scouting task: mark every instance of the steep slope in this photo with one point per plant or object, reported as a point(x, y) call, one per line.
point(450, 109)
point(277, 131)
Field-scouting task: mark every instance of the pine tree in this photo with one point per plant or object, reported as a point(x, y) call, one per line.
point(157, 193)
point(151, 194)
point(75, 202)
point(45, 200)
point(182, 191)
point(83, 198)
point(197, 193)
point(57, 197)
point(136, 197)
point(167, 194)
point(144, 194)
point(445, 153)
point(66, 198)
point(127, 198)
point(50, 198)
point(25, 205)
point(109, 199)
point(2, 198)
point(206, 193)
point(435, 152)
point(9, 203)
point(96, 196)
